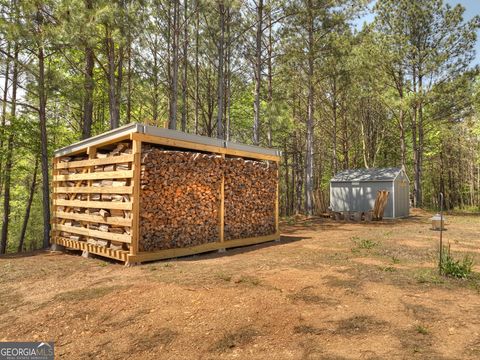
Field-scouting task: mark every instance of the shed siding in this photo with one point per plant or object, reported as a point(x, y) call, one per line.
point(402, 196)
point(348, 197)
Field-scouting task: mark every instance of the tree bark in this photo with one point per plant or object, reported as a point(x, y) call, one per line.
point(185, 66)
point(4, 110)
point(88, 84)
point(197, 37)
point(172, 124)
point(258, 74)
point(9, 155)
point(270, 78)
point(220, 85)
point(42, 98)
point(310, 116)
point(112, 86)
point(33, 185)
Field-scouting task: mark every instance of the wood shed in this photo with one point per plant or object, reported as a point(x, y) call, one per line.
point(141, 193)
point(355, 190)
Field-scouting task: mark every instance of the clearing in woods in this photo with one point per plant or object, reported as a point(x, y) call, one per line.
point(328, 290)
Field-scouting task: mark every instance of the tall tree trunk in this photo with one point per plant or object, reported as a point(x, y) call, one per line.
point(172, 124)
point(4, 110)
point(270, 78)
point(31, 194)
point(185, 66)
point(419, 169)
point(220, 85)
point(334, 130)
point(310, 116)
point(88, 84)
point(197, 37)
point(129, 79)
point(42, 97)
point(258, 73)
point(228, 92)
point(9, 155)
point(112, 90)
point(414, 127)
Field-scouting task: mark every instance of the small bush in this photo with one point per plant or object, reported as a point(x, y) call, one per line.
point(461, 269)
point(364, 243)
point(421, 330)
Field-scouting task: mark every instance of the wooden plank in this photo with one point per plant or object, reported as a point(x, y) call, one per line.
point(94, 190)
point(95, 204)
point(251, 155)
point(177, 143)
point(98, 144)
point(172, 253)
point(202, 147)
point(276, 200)
point(115, 220)
point(95, 233)
point(221, 212)
point(95, 162)
point(124, 174)
point(95, 249)
point(136, 168)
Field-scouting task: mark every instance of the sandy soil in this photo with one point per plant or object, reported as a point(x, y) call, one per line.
point(327, 290)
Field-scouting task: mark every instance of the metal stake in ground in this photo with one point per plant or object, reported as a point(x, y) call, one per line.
point(441, 233)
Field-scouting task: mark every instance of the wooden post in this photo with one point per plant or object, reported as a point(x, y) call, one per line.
point(136, 167)
point(92, 154)
point(277, 228)
point(53, 231)
point(221, 212)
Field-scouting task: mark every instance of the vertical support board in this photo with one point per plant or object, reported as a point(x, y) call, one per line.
point(92, 154)
point(136, 167)
point(221, 212)
point(53, 231)
point(276, 200)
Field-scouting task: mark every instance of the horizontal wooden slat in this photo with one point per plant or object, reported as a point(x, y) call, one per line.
point(177, 252)
point(95, 162)
point(95, 249)
point(94, 218)
point(95, 204)
point(93, 190)
point(94, 233)
point(123, 174)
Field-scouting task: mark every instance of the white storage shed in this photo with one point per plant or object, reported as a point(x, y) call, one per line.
point(356, 190)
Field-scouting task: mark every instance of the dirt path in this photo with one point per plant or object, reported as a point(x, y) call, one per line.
point(327, 291)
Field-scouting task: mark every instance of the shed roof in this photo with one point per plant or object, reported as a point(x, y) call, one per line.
point(373, 174)
point(183, 138)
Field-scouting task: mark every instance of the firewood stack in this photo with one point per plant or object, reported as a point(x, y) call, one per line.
point(120, 149)
point(250, 195)
point(180, 198)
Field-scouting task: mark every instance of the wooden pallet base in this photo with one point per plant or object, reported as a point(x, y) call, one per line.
point(162, 254)
point(121, 255)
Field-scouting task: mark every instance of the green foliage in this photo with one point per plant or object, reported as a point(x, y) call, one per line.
point(364, 243)
point(461, 269)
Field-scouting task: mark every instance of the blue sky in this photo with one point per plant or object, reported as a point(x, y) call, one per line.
point(472, 8)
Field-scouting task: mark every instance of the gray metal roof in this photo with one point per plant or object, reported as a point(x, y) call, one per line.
point(373, 174)
point(161, 132)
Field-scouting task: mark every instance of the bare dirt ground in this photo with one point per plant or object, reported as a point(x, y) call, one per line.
point(328, 290)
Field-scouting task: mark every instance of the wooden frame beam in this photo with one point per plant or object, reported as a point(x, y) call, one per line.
point(123, 174)
point(114, 205)
point(95, 162)
point(125, 238)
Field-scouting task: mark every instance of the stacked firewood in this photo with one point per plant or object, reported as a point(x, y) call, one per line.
point(250, 198)
point(120, 149)
point(180, 198)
